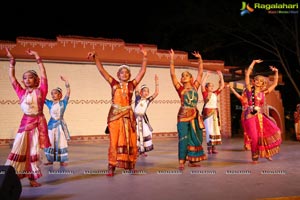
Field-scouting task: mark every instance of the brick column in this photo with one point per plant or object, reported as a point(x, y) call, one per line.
point(225, 112)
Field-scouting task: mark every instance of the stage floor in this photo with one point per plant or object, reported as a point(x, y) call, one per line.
point(226, 175)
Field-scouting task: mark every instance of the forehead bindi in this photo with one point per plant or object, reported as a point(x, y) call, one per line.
point(54, 92)
point(28, 75)
point(124, 70)
point(186, 74)
point(260, 80)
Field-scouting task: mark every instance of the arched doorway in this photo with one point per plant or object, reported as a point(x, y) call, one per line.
point(274, 115)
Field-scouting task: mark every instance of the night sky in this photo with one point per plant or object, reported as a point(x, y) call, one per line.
point(215, 28)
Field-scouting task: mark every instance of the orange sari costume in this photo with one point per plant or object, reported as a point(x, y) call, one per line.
point(121, 121)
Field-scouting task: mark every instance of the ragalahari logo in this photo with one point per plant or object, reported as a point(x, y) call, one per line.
point(246, 9)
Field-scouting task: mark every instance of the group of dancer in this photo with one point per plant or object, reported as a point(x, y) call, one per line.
point(262, 133)
point(34, 133)
point(130, 132)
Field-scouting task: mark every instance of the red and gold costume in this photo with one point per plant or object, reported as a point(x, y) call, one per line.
point(122, 126)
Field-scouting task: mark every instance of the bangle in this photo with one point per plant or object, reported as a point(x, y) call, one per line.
point(12, 61)
point(39, 60)
point(172, 62)
point(145, 59)
point(67, 85)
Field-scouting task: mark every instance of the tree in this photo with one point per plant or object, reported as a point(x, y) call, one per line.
point(218, 30)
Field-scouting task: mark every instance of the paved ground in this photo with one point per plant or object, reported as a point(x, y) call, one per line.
point(227, 175)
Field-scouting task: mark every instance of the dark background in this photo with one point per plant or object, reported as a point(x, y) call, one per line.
point(215, 28)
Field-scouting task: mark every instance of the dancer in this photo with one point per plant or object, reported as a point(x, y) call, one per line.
point(32, 134)
point(265, 135)
point(210, 112)
point(121, 121)
point(144, 129)
point(57, 127)
point(189, 122)
point(297, 122)
point(244, 101)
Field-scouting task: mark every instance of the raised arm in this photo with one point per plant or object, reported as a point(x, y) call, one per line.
point(249, 71)
point(67, 85)
point(137, 91)
point(172, 68)
point(275, 82)
point(12, 63)
point(39, 62)
point(204, 81)
point(156, 87)
point(221, 80)
point(200, 66)
point(94, 56)
point(234, 91)
point(142, 71)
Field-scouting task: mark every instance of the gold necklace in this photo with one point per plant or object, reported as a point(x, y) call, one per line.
point(141, 102)
point(29, 98)
point(124, 89)
point(190, 99)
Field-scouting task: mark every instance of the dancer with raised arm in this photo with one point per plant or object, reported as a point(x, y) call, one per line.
point(264, 134)
point(144, 129)
point(121, 121)
point(57, 127)
point(210, 112)
point(189, 121)
point(244, 101)
point(32, 135)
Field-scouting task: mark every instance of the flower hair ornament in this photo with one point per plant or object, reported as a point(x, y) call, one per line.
point(124, 66)
point(58, 89)
point(143, 86)
point(33, 72)
point(36, 77)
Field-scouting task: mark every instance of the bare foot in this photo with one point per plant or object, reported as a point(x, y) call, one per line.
point(194, 165)
point(269, 158)
point(48, 163)
point(63, 164)
point(255, 162)
point(33, 183)
point(209, 151)
point(247, 147)
point(181, 167)
point(110, 174)
point(111, 170)
point(144, 155)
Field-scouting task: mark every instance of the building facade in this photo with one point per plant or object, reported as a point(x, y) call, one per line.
point(89, 102)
